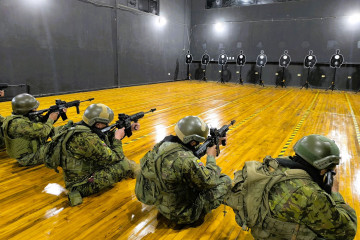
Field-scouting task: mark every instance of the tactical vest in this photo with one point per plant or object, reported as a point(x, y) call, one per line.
point(55, 153)
point(250, 200)
point(19, 147)
point(149, 183)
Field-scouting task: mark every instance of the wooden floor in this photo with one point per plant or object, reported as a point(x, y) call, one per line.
point(268, 122)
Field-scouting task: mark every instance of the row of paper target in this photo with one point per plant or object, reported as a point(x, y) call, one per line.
point(336, 60)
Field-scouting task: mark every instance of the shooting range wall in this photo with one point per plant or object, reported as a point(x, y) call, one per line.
point(320, 25)
point(72, 45)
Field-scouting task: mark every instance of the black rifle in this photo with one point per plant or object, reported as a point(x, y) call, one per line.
point(124, 121)
point(329, 181)
point(58, 107)
point(6, 85)
point(213, 139)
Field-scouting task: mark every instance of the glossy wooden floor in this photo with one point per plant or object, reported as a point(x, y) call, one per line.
point(269, 122)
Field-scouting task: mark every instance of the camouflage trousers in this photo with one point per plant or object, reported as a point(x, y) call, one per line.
point(31, 159)
point(204, 203)
point(106, 177)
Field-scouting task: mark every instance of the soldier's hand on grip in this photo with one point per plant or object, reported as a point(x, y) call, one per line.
point(120, 133)
point(211, 151)
point(54, 116)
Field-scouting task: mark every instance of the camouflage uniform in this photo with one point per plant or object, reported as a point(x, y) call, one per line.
point(291, 206)
point(89, 163)
point(303, 201)
point(179, 184)
point(24, 138)
point(2, 141)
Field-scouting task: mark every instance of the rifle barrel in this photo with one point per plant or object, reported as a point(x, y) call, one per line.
point(88, 100)
point(151, 110)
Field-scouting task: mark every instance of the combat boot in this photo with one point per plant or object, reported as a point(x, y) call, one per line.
point(75, 198)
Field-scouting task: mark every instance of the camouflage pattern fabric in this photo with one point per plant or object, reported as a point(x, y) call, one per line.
point(2, 141)
point(303, 201)
point(24, 138)
point(105, 177)
point(290, 205)
point(188, 188)
point(90, 164)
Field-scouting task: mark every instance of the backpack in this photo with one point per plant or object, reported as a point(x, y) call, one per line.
point(250, 194)
point(149, 183)
point(54, 151)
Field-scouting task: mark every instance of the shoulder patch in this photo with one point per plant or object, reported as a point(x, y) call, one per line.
point(199, 162)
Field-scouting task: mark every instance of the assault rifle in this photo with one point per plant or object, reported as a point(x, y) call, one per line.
point(213, 139)
point(124, 121)
point(329, 181)
point(58, 107)
point(6, 85)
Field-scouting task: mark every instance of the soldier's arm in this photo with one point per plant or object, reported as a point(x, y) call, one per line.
point(203, 177)
point(90, 146)
point(21, 128)
point(116, 146)
point(329, 216)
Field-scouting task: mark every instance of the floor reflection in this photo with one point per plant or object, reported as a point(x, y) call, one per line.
point(54, 189)
point(52, 212)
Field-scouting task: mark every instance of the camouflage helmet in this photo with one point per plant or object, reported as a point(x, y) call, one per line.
point(321, 152)
point(24, 103)
point(191, 128)
point(98, 113)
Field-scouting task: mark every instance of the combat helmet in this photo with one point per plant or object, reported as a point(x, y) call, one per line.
point(191, 128)
point(319, 151)
point(24, 103)
point(98, 113)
